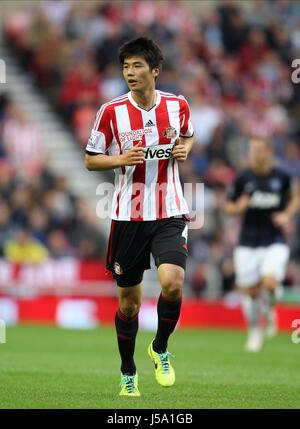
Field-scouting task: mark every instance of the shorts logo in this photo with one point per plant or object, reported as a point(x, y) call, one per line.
point(185, 233)
point(170, 132)
point(117, 268)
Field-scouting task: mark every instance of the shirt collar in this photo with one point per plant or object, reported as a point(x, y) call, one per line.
point(135, 104)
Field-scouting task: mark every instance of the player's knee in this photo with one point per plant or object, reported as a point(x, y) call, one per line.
point(129, 307)
point(172, 288)
point(252, 291)
point(269, 283)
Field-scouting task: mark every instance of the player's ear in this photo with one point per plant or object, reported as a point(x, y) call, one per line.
point(155, 72)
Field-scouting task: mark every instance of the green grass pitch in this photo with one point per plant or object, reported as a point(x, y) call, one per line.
point(48, 367)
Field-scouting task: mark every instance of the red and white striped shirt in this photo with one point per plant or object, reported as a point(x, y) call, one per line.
point(152, 190)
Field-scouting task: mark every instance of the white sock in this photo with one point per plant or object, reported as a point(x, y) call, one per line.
point(251, 310)
point(269, 300)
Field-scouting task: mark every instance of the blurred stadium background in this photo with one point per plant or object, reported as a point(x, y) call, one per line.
point(232, 61)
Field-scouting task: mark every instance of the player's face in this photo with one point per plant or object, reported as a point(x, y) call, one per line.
point(259, 153)
point(137, 73)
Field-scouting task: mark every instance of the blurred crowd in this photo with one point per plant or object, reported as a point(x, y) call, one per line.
point(231, 61)
point(39, 216)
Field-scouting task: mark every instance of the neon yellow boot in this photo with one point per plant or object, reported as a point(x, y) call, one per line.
point(129, 385)
point(164, 372)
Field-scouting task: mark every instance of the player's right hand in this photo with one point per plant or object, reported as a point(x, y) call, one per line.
point(281, 219)
point(134, 156)
point(243, 203)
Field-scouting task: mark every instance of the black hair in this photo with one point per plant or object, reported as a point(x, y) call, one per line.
point(145, 48)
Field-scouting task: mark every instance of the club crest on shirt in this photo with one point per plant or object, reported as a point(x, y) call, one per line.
point(170, 132)
point(117, 268)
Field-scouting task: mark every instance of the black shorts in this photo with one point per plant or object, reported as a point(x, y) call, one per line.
point(130, 245)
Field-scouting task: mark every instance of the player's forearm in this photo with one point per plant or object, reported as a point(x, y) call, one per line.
point(103, 162)
point(232, 208)
point(293, 206)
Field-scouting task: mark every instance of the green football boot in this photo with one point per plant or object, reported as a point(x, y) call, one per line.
point(164, 372)
point(129, 385)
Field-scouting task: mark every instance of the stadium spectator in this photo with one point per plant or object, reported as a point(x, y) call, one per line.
point(24, 249)
point(85, 235)
point(38, 212)
point(7, 227)
point(290, 162)
point(198, 281)
point(23, 142)
point(57, 12)
point(7, 179)
point(20, 203)
point(80, 86)
point(58, 245)
point(39, 224)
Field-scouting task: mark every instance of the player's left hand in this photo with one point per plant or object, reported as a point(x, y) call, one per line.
point(179, 150)
point(281, 219)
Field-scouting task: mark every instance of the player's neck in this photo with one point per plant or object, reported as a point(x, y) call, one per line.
point(262, 169)
point(145, 99)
